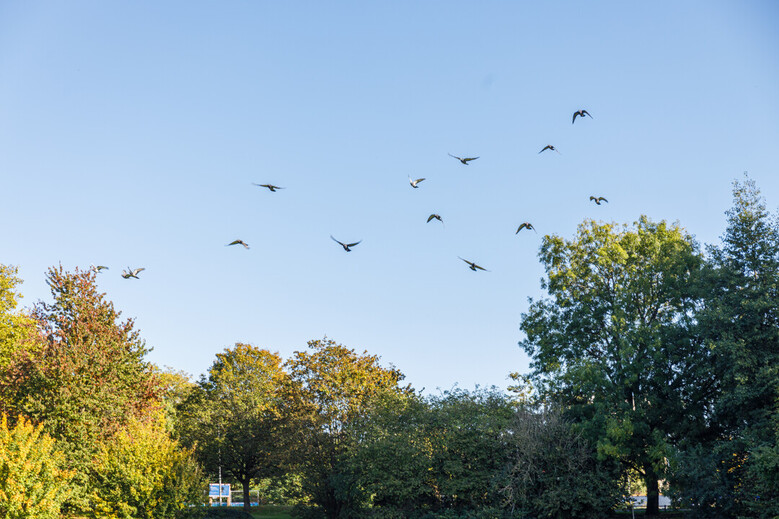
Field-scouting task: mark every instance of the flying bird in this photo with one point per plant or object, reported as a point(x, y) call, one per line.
point(269, 186)
point(346, 246)
point(465, 160)
point(473, 266)
point(97, 268)
point(436, 216)
point(131, 273)
point(598, 199)
point(238, 242)
point(415, 182)
point(525, 225)
point(549, 147)
point(580, 113)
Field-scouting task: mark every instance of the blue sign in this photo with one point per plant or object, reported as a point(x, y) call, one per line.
point(213, 490)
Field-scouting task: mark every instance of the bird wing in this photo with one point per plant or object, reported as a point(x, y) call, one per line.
point(585, 112)
point(419, 180)
point(480, 268)
point(455, 156)
point(465, 260)
point(522, 226)
point(574, 117)
point(593, 198)
point(603, 199)
point(353, 244)
point(138, 270)
point(430, 218)
point(470, 158)
point(336, 241)
point(547, 147)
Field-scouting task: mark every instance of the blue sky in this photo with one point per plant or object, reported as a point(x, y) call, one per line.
point(131, 132)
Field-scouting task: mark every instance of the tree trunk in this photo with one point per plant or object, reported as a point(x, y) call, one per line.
point(247, 504)
point(652, 492)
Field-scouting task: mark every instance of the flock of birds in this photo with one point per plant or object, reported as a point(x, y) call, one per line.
point(133, 273)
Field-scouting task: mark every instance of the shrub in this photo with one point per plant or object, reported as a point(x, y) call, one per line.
point(141, 473)
point(33, 483)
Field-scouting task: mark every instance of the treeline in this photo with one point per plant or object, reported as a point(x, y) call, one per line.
point(91, 429)
point(653, 360)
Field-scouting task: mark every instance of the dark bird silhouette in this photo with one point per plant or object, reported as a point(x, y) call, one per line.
point(238, 242)
point(580, 113)
point(436, 216)
point(549, 147)
point(415, 182)
point(97, 268)
point(473, 266)
point(598, 199)
point(131, 273)
point(347, 246)
point(525, 225)
point(465, 160)
point(269, 186)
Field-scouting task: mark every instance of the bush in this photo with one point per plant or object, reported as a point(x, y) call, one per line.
point(33, 484)
point(141, 473)
point(555, 473)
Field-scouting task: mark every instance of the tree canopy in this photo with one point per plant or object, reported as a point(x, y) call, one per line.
point(612, 344)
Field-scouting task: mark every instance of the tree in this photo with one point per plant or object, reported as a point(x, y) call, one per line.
point(233, 419)
point(89, 376)
point(741, 317)
point(739, 324)
point(613, 344)
point(33, 480)
point(331, 387)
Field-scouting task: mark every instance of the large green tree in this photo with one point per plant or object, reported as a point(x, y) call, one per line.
point(613, 344)
point(331, 387)
point(234, 418)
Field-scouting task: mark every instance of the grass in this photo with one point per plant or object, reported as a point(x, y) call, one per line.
point(271, 512)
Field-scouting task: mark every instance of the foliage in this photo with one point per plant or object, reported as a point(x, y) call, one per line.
point(760, 489)
point(142, 473)
point(722, 468)
point(331, 387)
point(613, 344)
point(15, 328)
point(87, 379)
point(703, 481)
point(175, 387)
point(553, 471)
point(33, 483)
point(445, 454)
point(282, 490)
point(233, 419)
point(17, 332)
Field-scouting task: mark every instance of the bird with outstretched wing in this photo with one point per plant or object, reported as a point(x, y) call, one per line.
point(473, 266)
point(347, 246)
point(580, 113)
point(525, 225)
point(463, 160)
